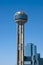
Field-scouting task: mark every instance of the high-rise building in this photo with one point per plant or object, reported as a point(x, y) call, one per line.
point(31, 57)
point(30, 54)
point(40, 60)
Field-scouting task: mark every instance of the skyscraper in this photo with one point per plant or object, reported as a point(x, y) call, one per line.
point(30, 54)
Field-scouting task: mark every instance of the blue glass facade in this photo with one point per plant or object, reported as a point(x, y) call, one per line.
point(30, 52)
point(41, 61)
point(27, 50)
point(31, 56)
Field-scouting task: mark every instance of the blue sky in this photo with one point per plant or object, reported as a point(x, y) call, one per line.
point(33, 27)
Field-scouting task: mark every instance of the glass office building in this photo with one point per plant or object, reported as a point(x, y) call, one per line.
point(41, 61)
point(30, 53)
point(28, 49)
point(31, 57)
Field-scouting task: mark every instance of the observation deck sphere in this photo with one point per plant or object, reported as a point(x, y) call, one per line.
point(20, 17)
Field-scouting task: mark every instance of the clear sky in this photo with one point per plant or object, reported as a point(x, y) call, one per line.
point(33, 28)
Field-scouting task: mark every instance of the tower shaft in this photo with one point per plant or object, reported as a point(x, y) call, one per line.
point(20, 44)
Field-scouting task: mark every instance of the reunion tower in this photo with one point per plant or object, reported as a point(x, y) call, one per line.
point(21, 19)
